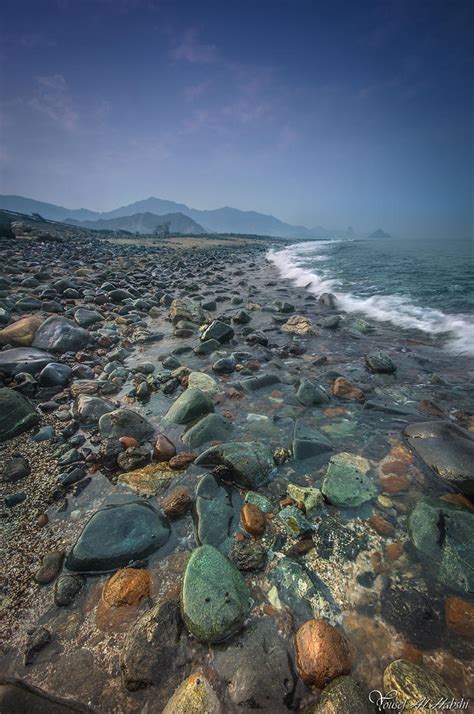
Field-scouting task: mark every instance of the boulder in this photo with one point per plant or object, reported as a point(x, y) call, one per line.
point(444, 535)
point(125, 422)
point(17, 414)
point(308, 442)
point(189, 406)
point(346, 483)
point(310, 394)
point(216, 513)
point(447, 449)
point(116, 535)
point(215, 601)
point(88, 410)
point(411, 682)
point(21, 332)
point(250, 463)
point(204, 382)
point(322, 653)
point(155, 652)
point(23, 359)
point(55, 374)
point(218, 330)
point(59, 334)
point(212, 427)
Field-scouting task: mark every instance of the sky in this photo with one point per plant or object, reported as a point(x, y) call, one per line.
point(321, 113)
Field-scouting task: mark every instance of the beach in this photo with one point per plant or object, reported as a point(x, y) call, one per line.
point(248, 457)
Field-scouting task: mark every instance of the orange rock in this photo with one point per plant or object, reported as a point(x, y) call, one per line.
point(459, 500)
point(345, 390)
point(334, 411)
point(164, 449)
point(380, 525)
point(460, 616)
point(399, 452)
point(182, 460)
point(128, 442)
point(377, 563)
point(394, 550)
point(126, 587)
point(253, 519)
point(322, 653)
point(395, 467)
point(395, 484)
point(177, 502)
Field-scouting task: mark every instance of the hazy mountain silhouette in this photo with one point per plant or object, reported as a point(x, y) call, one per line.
point(144, 223)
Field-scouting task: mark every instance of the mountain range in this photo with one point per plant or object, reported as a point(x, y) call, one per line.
point(219, 220)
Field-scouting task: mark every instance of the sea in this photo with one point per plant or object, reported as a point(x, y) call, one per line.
point(425, 285)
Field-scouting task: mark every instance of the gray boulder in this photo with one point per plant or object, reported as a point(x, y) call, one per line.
point(212, 427)
point(59, 334)
point(189, 406)
point(23, 359)
point(17, 414)
point(125, 422)
point(250, 463)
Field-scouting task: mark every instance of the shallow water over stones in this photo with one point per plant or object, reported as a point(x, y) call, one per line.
point(369, 570)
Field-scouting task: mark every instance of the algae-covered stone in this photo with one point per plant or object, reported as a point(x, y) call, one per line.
point(380, 362)
point(294, 521)
point(194, 696)
point(250, 463)
point(311, 394)
point(259, 500)
point(212, 427)
point(343, 694)
point(445, 535)
point(215, 601)
point(308, 442)
point(312, 498)
point(189, 406)
point(346, 483)
point(17, 414)
point(116, 535)
point(299, 325)
point(204, 382)
point(150, 479)
point(186, 309)
point(414, 683)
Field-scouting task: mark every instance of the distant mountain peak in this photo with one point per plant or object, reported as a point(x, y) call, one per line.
point(379, 233)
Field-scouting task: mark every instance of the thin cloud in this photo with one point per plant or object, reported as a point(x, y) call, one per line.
point(191, 50)
point(53, 99)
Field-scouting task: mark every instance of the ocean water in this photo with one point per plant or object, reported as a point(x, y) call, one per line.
point(426, 285)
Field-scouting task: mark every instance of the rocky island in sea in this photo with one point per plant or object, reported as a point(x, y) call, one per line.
point(221, 492)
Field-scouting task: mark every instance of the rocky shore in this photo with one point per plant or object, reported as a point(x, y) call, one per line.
point(219, 493)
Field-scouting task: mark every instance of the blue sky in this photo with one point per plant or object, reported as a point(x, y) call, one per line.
point(322, 113)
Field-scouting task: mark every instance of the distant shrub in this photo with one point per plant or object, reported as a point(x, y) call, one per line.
point(6, 231)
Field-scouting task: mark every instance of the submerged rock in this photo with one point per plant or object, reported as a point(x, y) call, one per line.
point(194, 696)
point(447, 449)
point(215, 601)
point(346, 483)
point(343, 694)
point(414, 683)
point(212, 427)
point(189, 406)
point(250, 463)
point(155, 652)
point(17, 697)
point(258, 669)
point(300, 325)
point(311, 394)
point(380, 362)
point(126, 587)
point(217, 513)
point(445, 535)
point(186, 309)
point(218, 330)
point(322, 653)
point(17, 414)
point(308, 442)
point(302, 591)
point(116, 535)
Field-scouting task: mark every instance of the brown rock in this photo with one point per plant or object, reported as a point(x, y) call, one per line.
point(345, 390)
point(334, 411)
point(194, 696)
point(126, 587)
point(128, 442)
point(380, 525)
point(164, 449)
point(42, 520)
point(411, 653)
point(50, 567)
point(253, 519)
point(428, 407)
point(21, 332)
point(182, 460)
point(322, 653)
point(395, 467)
point(395, 484)
point(459, 500)
point(460, 616)
point(177, 502)
point(394, 550)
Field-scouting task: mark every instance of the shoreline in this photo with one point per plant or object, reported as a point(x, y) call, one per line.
point(361, 589)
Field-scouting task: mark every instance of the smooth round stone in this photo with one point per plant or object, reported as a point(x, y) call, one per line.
point(59, 334)
point(20, 332)
point(322, 653)
point(343, 694)
point(15, 469)
point(212, 427)
point(86, 318)
point(190, 405)
point(55, 374)
point(126, 587)
point(23, 359)
point(215, 601)
point(204, 382)
point(116, 535)
point(414, 683)
point(66, 588)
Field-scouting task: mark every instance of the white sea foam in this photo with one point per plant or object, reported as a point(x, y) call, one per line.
point(459, 329)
